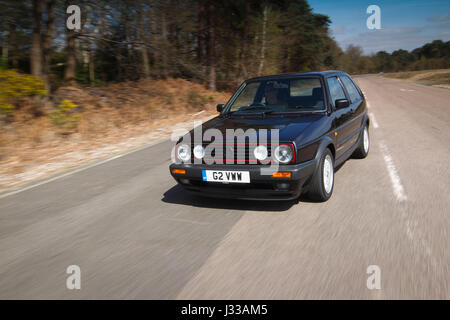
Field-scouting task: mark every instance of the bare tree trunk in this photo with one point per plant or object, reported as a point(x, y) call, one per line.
point(47, 42)
point(285, 61)
point(141, 33)
point(71, 63)
point(164, 41)
point(36, 50)
point(243, 73)
point(154, 35)
point(5, 47)
point(15, 46)
point(70, 71)
point(91, 66)
point(97, 28)
point(201, 37)
point(212, 46)
point(263, 42)
point(128, 37)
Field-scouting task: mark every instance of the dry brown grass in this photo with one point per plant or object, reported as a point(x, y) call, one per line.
point(108, 115)
point(431, 77)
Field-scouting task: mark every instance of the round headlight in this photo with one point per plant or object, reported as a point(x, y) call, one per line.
point(184, 152)
point(260, 153)
point(283, 153)
point(199, 152)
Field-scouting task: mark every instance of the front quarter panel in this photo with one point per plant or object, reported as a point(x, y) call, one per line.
point(316, 133)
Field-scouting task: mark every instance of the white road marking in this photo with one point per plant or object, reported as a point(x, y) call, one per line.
point(397, 186)
point(408, 90)
point(413, 233)
point(80, 169)
point(196, 114)
point(411, 225)
point(4, 195)
point(374, 121)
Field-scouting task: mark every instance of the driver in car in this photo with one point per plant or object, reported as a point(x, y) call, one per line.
point(272, 94)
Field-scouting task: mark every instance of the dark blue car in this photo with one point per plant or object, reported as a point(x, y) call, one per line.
point(276, 138)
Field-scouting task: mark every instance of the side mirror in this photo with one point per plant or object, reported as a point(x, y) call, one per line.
point(220, 107)
point(341, 103)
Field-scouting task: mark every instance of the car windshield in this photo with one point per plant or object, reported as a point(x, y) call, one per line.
point(278, 96)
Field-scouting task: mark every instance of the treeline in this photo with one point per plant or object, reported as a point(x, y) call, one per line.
point(219, 43)
point(433, 55)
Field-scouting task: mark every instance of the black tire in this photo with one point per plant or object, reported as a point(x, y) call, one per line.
point(361, 151)
point(317, 190)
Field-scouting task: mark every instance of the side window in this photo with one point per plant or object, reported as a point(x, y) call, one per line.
point(351, 89)
point(336, 90)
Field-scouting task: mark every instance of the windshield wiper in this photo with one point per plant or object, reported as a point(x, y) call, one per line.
point(301, 107)
point(262, 113)
point(253, 108)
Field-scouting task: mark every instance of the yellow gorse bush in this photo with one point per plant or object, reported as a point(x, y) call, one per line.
point(63, 115)
point(15, 85)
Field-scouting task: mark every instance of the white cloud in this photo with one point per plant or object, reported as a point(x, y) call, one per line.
point(391, 39)
point(338, 30)
point(441, 18)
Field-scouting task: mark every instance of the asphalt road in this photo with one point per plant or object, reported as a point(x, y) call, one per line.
point(135, 234)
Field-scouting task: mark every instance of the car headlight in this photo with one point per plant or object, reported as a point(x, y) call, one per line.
point(283, 153)
point(260, 153)
point(199, 152)
point(184, 152)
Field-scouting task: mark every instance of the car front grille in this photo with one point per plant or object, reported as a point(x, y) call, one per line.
point(228, 153)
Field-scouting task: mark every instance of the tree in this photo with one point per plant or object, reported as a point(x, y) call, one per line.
point(401, 59)
point(71, 64)
point(263, 41)
point(384, 61)
point(141, 31)
point(129, 40)
point(212, 45)
point(5, 45)
point(36, 50)
point(47, 42)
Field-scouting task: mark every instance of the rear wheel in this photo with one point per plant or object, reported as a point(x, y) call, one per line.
point(364, 144)
point(322, 182)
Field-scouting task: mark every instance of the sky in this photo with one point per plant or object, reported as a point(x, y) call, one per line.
point(405, 24)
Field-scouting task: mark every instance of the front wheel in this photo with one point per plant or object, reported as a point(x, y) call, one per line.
point(364, 143)
point(323, 181)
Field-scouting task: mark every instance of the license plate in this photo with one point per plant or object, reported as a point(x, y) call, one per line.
point(226, 176)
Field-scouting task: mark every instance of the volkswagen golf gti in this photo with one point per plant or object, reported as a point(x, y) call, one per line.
point(276, 138)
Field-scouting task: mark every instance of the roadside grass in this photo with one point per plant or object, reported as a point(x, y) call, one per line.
point(429, 77)
point(400, 75)
point(443, 78)
point(82, 120)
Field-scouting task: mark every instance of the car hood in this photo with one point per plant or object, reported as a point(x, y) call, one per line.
point(291, 128)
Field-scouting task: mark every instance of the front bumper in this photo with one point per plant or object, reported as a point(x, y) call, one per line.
point(261, 186)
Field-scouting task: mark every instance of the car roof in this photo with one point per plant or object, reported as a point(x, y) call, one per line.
point(302, 74)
